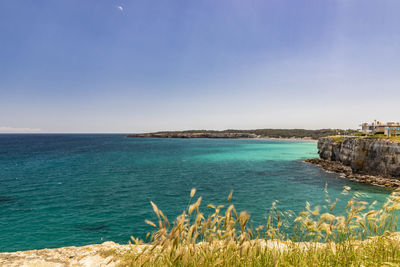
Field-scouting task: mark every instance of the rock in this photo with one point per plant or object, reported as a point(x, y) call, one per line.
point(66, 256)
point(338, 167)
point(363, 155)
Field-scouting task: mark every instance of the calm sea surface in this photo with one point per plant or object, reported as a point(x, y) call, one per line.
point(62, 190)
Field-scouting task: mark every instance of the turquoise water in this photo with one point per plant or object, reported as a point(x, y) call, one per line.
point(62, 190)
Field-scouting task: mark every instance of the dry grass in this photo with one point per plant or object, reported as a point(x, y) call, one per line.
point(337, 139)
point(383, 137)
point(363, 236)
point(392, 138)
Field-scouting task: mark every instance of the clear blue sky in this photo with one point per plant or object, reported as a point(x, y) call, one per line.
point(146, 65)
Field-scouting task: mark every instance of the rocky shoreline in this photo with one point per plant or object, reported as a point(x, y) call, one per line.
point(368, 160)
point(110, 254)
point(107, 254)
point(338, 167)
point(85, 256)
point(365, 155)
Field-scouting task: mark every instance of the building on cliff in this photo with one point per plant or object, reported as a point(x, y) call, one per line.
point(388, 129)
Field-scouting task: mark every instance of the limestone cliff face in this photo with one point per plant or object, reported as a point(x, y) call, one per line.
point(363, 155)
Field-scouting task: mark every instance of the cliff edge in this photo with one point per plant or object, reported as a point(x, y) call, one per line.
point(364, 159)
point(364, 155)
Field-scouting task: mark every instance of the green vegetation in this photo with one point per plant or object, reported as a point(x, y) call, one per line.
point(337, 139)
point(340, 139)
point(362, 236)
point(383, 137)
point(360, 134)
point(272, 133)
point(300, 133)
point(391, 138)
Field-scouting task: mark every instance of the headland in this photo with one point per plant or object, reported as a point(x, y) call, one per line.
point(367, 159)
point(292, 134)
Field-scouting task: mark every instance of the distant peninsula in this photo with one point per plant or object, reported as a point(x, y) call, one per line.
point(258, 133)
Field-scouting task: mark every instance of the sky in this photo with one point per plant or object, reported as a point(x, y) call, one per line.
point(130, 66)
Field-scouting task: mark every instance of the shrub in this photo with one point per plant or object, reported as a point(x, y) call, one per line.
point(337, 139)
point(360, 134)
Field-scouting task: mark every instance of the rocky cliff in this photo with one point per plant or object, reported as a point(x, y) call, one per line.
point(367, 156)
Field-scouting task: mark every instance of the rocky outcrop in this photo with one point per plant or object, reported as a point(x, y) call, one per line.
point(368, 160)
point(110, 254)
point(347, 172)
point(364, 155)
point(86, 256)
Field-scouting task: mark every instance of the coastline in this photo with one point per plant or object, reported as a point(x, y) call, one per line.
point(90, 255)
point(289, 134)
point(346, 171)
point(287, 139)
point(111, 254)
point(107, 253)
point(307, 139)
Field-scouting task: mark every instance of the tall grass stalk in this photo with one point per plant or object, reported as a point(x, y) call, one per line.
point(360, 236)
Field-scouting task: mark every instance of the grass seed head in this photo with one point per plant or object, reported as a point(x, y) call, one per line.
point(192, 192)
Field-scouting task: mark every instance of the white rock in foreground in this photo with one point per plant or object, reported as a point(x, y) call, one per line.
point(66, 256)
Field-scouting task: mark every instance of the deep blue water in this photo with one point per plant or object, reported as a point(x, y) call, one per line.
point(62, 190)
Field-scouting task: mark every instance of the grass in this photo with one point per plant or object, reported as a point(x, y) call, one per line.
point(383, 137)
point(391, 138)
point(337, 139)
point(362, 236)
point(340, 139)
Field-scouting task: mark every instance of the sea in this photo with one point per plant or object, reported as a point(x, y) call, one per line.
point(76, 189)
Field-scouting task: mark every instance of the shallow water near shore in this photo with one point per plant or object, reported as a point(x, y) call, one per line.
point(63, 190)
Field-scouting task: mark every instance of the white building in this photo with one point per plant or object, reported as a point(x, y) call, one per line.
point(388, 129)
